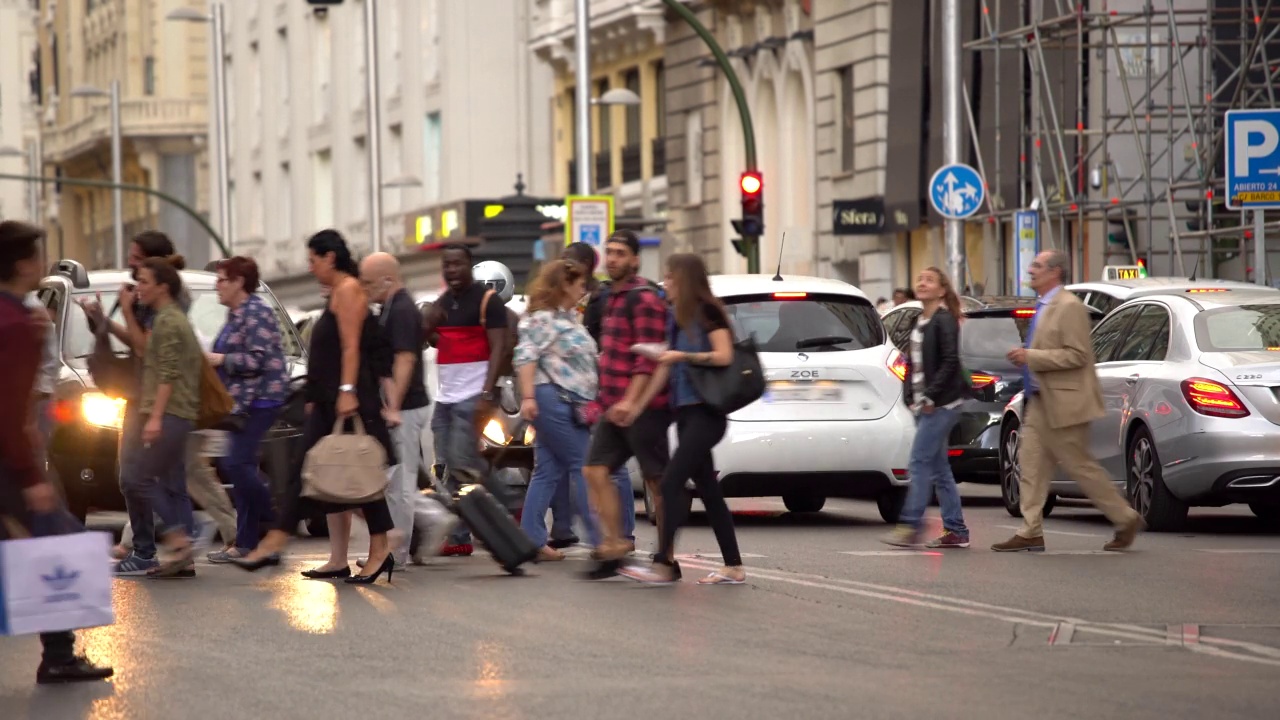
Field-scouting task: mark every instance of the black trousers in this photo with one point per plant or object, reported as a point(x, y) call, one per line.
point(698, 429)
point(296, 508)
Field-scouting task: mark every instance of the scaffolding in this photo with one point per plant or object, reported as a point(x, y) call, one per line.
point(1121, 106)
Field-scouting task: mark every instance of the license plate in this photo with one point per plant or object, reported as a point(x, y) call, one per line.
point(804, 393)
point(217, 443)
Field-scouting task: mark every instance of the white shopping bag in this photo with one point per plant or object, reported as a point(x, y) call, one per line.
point(51, 584)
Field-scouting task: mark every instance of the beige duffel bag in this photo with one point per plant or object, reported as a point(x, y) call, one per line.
point(349, 469)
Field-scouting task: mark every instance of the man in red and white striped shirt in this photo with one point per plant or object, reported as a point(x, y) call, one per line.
point(468, 327)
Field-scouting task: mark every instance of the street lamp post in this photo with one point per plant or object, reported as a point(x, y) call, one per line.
point(221, 123)
point(582, 96)
point(374, 124)
point(117, 168)
point(952, 129)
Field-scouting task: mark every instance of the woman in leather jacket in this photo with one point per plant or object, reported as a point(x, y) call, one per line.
point(936, 385)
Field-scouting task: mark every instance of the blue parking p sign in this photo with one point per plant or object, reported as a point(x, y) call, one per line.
point(1253, 159)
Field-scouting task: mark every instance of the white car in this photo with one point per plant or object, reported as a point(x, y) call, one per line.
point(1107, 295)
point(832, 422)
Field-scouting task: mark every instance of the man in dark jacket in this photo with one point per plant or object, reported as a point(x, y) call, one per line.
point(24, 490)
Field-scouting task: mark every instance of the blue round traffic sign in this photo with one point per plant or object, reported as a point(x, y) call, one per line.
point(956, 191)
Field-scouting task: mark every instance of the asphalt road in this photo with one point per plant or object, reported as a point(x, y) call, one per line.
point(831, 625)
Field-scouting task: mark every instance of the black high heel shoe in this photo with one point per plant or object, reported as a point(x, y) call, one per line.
point(272, 560)
point(388, 566)
point(327, 574)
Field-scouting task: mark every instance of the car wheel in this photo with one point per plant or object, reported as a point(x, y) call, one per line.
point(805, 502)
point(1010, 471)
point(1268, 513)
point(890, 503)
point(1144, 485)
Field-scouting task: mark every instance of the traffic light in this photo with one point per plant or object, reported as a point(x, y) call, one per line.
point(752, 186)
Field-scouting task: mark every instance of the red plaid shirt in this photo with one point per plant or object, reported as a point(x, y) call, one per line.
point(647, 323)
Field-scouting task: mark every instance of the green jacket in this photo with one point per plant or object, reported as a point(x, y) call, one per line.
point(174, 358)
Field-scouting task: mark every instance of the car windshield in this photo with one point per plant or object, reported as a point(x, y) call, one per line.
point(207, 317)
point(1247, 327)
point(985, 339)
point(813, 323)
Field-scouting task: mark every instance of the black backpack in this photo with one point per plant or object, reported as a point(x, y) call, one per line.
point(593, 315)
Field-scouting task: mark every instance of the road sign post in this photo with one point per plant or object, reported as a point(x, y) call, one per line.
point(589, 220)
point(1252, 161)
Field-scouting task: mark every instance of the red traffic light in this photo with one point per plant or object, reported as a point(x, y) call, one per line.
point(751, 183)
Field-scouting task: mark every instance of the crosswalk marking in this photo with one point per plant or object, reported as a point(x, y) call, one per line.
point(1055, 532)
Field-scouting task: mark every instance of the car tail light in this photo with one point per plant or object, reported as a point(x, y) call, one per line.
point(1024, 312)
point(955, 453)
point(1212, 398)
point(977, 381)
point(790, 295)
point(1207, 290)
point(898, 365)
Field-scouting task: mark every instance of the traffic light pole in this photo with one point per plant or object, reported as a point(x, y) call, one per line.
point(125, 187)
point(751, 243)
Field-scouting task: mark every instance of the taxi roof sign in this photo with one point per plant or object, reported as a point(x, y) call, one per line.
point(1123, 272)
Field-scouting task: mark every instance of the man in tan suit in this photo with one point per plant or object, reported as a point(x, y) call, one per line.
point(1062, 398)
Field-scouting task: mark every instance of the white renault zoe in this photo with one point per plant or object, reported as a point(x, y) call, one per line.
point(832, 422)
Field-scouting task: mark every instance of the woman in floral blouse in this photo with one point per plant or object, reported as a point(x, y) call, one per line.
point(249, 356)
point(556, 361)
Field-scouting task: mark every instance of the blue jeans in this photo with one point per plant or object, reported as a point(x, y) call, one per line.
point(560, 451)
point(158, 485)
point(457, 445)
point(250, 487)
point(930, 472)
point(562, 508)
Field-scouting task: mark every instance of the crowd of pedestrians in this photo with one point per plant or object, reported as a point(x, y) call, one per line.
point(603, 370)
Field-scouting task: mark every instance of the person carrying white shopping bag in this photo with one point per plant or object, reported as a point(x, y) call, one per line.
point(49, 584)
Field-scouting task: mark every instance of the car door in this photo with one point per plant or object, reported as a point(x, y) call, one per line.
point(1120, 378)
point(1111, 335)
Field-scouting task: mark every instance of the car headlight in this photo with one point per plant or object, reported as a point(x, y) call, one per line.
point(102, 410)
point(495, 433)
point(528, 435)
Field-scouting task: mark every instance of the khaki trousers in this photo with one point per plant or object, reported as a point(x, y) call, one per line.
point(1042, 449)
point(205, 489)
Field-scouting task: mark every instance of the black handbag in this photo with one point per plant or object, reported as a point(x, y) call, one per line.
point(730, 388)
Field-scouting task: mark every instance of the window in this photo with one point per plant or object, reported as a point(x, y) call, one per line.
point(606, 136)
point(285, 214)
point(322, 68)
point(818, 323)
point(987, 336)
point(1242, 328)
point(1109, 333)
point(322, 188)
point(660, 98)
point(844, 119)
point(1098, 300)
point(282, 66)
point(1148, 338)
point(632, 79)
point(393, 153)
point(899, 325)
point(207, 317)
point(257, 210)
point(431, 158)
point(149, 76)
point(359, 191)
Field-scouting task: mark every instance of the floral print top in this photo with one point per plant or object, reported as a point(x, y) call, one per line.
point(253, 365)
point(562, 349)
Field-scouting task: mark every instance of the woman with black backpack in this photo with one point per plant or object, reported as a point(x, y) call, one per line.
point(697, 334)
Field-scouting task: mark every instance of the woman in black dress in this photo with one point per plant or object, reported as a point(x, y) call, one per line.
point(346, 361)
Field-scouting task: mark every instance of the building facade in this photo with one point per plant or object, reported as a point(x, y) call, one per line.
point(19, 132)
point(458, 91)
point(163, 72)
point(629, 142)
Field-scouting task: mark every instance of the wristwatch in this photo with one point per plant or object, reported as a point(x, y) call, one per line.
point(346, 388)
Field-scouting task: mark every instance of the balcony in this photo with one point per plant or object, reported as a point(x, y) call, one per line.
point(631, 168)
point(604, 169)
point(139, 118)
point(659, 149)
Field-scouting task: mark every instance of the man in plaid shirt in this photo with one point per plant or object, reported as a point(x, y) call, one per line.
point(634, 314)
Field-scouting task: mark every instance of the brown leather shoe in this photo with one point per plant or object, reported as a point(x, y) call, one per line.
point(1017, 543)
point(1126, 535)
